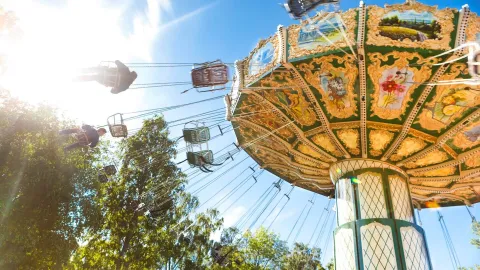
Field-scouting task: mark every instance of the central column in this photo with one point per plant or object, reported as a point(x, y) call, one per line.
point(376, 227)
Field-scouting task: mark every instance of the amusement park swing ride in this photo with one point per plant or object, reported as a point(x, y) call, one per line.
point(375, 107)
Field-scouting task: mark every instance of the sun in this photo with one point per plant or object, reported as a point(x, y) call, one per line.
point(56, 43)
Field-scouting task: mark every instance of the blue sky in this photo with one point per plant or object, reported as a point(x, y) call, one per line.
point(184, 31)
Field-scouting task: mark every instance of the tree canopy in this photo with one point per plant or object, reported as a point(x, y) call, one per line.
point(55, 213)
point(45, 196)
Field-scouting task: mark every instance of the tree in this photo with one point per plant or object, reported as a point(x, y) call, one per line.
point(302, 257)
point(45, 196)
point(331, 265)
point(146, 213)
point(476, 231)
point(476, 267)
point(259, 250)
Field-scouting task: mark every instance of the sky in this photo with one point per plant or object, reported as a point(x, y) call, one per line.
point(62, 36)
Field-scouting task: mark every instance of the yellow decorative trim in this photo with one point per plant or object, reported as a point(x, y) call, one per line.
point(314, 131)
point(324, 141)
point(299, 172)
point(377, 70)
point(473, 162)
point(305, 162)
point(447, 171)
point(278, 114)
point(345, 106)
point(444, 17)
point(351, 139)
point(422, 135)
point(379, 139)
point(385, 126)
point(268, 155)
point(408, 147)
point(473, 27)
point(433, 157)
point(345, 125)
point(307, 150)
point(248, 125)
point(450, 151)
point(293, 32)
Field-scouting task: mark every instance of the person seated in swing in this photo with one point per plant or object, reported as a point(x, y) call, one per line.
point(119, 78)
point(86, 136)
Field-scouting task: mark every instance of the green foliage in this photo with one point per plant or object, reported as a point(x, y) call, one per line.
point(476, 267)
point(476, 231)
point(263, 250)
point(46, 198)
point(127, 238)
point(55, 214)
point(259, 250)
point(303, 257)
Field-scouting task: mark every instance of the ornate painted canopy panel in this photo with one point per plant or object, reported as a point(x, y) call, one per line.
point(362, 84)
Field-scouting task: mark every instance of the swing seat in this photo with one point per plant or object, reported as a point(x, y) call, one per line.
point(474, 66)
point(210, 74)
point(298, 8)
point(116, 126)
point(110, 170)
point(196, 135)
point(200, 158)
point(118, 131)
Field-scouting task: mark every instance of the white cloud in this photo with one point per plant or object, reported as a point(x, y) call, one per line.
point(57, 41)
point(286, 215)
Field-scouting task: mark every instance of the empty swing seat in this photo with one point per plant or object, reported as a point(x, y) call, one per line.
point(196, 135)
point(210, 75)
point(200, 158)
point(118, 131)
point(116, 126)
point(475, 65)
point(298, 8)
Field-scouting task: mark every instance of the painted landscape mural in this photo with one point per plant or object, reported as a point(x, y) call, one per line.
point(261, 59)
point(313, 35)
point(410, 24)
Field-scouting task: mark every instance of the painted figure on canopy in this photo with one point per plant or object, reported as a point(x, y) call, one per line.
point(335, 85)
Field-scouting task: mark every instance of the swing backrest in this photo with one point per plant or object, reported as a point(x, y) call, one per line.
point(200, 158)
point(474, 68)
point(298, 8)
point(196, 135)
point(210, 75)
point(118, 131)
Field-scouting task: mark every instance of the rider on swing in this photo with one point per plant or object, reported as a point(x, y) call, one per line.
point(86, 136)
point(119, 78)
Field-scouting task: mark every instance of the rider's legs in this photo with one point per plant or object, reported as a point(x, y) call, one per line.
point(69, 131)
point(72, 146)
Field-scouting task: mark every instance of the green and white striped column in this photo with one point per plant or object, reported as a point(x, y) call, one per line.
point(376, 225)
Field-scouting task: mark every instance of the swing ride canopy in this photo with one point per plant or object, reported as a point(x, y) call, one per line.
point(363, 85)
